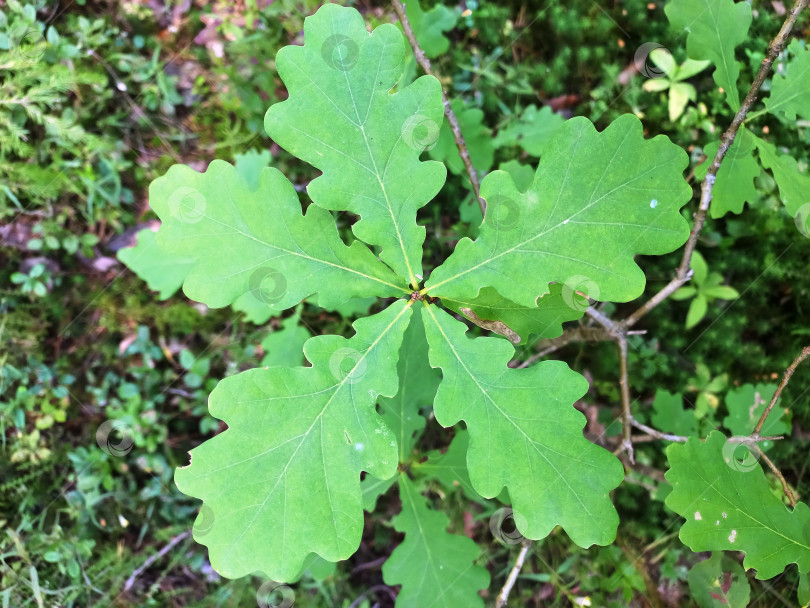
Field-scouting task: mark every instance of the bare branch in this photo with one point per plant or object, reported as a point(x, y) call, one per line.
point(153, 558)
point(785, 487)
point(785, 379)
point(576, 334)
point(503, 596)
point(624, 387)
point(620, 336)
point(424, 62)
point(682, 274)
point(657, 434)
point(619, 328)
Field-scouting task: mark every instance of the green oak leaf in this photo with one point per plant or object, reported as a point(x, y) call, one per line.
point(318, 568)
point(734, 184)
point(162, 273)
point(532, 131)
point(728, 506)
point(522, 175)
point(354, 308)
point(435, 568)
point(746, 405)
point(166, 273)
point(233, 234)
point(790, 92)
point(476, 136)
point(794, 186)
point(284, 480)
point(255, 309)
point(250, 166)
point(545, 319)
point(372, 488)
point(613, 188)
point(670, 416)
point(429, 27)
point(341, 118)
point(525, 434)
point(418, 383)
point(719, 581)
point(803, 590)
point(284, 346)
point(714, 29)
point(470, 212)
point(450, 468)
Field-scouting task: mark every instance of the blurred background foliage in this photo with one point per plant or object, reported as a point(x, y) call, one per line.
point(99, 97)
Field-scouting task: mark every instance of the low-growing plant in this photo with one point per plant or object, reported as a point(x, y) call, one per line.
point(308, 449)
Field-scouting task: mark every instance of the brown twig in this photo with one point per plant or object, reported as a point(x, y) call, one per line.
point(503, 596)
point(624, 387)
point(785, 487)
point(620, 336)
point(424, 62)
point(577, 334)
point(381, 588)
point(657, 434)
point(751, 440)
point(785, 379)
point(153, 558)
point(683, 272)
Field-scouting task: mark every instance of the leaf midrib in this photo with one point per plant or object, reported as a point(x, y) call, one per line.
point(251, 237)
point(527, 440)
point(305, 435)
point(428, 288)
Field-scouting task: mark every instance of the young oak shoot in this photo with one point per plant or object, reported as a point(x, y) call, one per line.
point(283, 481)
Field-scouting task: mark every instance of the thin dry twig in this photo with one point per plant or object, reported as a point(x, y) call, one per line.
point(657, 434)
point(376, 588)
point(577, 334)
point(624, 388)
point(503, 596)
point(785, 487)
point(424, 62)
point(751, 440)
point(619, 334)
point(683, 274)
point(785, 379)
point(153, 558)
